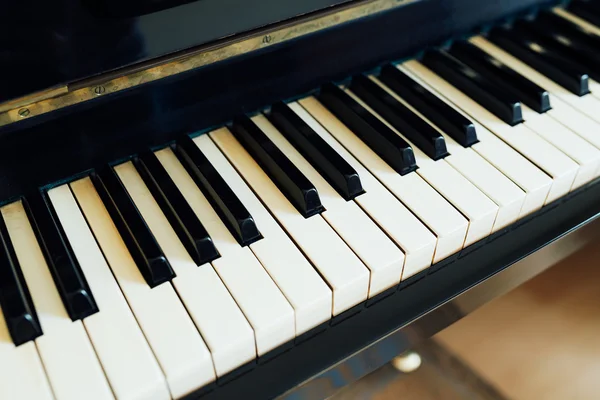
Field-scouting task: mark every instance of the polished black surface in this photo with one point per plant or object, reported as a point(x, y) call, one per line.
point(489, 93)
point(577, 51)
point(138, 238)
point(587, 10)
point(340, 175)
point(43, 44)
point(493, 69)
point(433, 108)
point(232, 211)
point(561, 25)
point(182, 218)
point(68, 276)
point(287, 177)
point(410, 125)
point(15, 300)
point(394, 150)
point(541, 56)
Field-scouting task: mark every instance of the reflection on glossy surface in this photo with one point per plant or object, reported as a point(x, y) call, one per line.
point(47, 43)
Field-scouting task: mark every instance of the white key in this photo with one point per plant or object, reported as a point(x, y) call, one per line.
point(467, 198)
point(561, 168)
point(261, 301)
point(579, 123)
point(512, 164)
point(128, 362)
point(588, 105)
point(567, 108)
point(579, 150)
point(22, 375)
point(594, 85)
point(501, 190)
point(341, 268)
point(222, 324)
point(371, 245)
point(563, 126)
point(174, 339)
point(306, 291)
point(417, 242)
point(65, 349)
point(429, 206)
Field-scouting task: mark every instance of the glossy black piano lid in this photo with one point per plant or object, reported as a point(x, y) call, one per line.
point(46, 43)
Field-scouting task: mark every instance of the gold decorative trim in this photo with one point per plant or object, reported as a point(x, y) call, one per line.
point(57, 98)
point(34, 97)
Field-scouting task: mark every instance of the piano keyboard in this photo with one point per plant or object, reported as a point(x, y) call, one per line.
point(182, 267)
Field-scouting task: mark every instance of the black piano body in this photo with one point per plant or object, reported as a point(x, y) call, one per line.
point(51, 49)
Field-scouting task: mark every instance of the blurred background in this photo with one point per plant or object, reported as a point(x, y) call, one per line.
point(540, 341)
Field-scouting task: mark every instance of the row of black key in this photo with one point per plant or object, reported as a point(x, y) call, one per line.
point(588, 10)
point(556, 47)
point(78, 300)
point(142, 245)
point(467, 67)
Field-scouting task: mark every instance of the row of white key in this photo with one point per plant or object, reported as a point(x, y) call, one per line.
point(378, 253)
point(561, 168)
point(502, 191)
point(69, 359)
point(416, 241)
point(479, 210)
point(340, 267)
point(569, 124)
point(418, 196)
point(535, 183)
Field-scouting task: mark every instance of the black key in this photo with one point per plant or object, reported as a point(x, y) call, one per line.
point(412, 126)
point(184, 221)
point(288, 178)
point(538, 55)
point(570, 29)
point(379, 137)
point(446, 118)
point(15, 300)
point(231, 210)
point(138, 238)
point(62, 262)
point(585, 10)
point(487, 93)
point(340, 175)
point(571, 48)
point(494, 70)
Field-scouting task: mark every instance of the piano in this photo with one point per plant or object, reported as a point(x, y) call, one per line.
point(270, 199)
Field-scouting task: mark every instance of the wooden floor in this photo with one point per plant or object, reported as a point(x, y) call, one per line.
point(542, 340)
